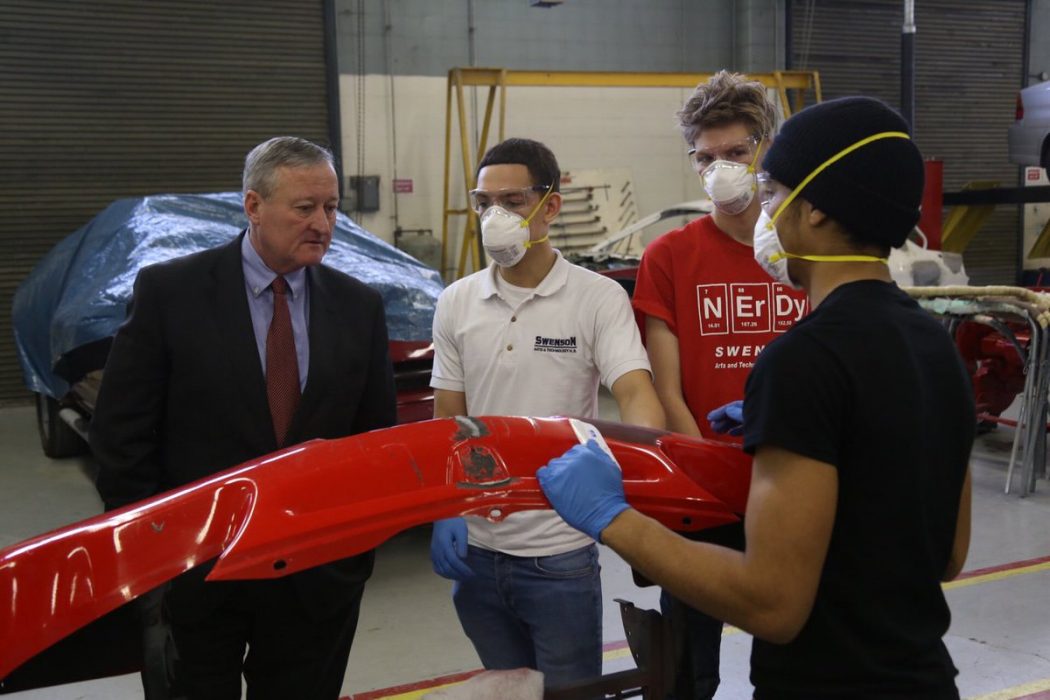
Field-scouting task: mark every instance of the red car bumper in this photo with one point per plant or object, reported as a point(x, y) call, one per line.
point(324, 500)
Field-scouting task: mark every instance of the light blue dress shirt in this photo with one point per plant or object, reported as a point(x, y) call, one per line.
point(257, 279)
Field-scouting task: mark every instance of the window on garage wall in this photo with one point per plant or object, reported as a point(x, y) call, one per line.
point(117, 98)
point(968, 67)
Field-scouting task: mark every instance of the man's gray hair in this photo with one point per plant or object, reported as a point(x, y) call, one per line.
point(260, 166)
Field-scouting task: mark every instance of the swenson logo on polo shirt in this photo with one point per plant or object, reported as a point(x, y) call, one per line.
point(555, 344)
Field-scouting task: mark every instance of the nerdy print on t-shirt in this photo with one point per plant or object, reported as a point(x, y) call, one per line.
point(732, 310)
point(720, 305)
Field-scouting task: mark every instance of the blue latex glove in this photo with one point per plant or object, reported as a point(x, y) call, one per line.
point(728, 418)
point(448, 549)
point(586, 488)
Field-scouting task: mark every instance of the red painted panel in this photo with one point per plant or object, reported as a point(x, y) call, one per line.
point(328, 499)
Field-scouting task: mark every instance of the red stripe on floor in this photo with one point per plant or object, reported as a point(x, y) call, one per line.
point(444, 680)
point(1002, 567)
point(418, 685)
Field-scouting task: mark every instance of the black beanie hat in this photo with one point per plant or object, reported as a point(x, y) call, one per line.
point(874, 192)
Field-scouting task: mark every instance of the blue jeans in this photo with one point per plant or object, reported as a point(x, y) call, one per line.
point(537, 612)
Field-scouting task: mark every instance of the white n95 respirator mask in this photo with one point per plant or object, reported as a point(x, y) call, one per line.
point(771, 256)
point(504, 235)
point(731, 186)
point(769, 253)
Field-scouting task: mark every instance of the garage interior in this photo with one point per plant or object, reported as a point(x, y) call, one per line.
point(107, 99)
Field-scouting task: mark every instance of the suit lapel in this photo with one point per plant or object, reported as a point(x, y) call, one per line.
point(237, 337)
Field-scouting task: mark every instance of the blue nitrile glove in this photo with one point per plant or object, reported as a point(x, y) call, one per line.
point(728, 418)
point(448, 549)
point(586, 488)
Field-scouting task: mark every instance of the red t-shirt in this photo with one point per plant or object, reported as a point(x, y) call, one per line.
point(720, 304)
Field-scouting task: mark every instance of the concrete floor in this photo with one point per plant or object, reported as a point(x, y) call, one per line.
point(409, 634)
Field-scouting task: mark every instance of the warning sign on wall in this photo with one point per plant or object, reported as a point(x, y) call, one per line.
point(1036, 224)
point(403, 186)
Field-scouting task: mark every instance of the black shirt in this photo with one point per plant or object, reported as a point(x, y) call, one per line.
point(874, 386)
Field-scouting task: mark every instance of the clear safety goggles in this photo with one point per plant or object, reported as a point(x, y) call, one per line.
point(744, 151)
point(767, 190)
point(514, 199)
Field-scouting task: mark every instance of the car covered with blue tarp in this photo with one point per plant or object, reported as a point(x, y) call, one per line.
point(67, 310)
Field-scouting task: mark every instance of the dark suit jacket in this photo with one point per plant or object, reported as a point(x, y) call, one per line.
point(184, 394)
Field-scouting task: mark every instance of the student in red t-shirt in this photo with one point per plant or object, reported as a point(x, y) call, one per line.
point(710, 310)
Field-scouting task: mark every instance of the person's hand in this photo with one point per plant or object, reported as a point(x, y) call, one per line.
point(448, 549)
point(728, 418)
point(586, 488)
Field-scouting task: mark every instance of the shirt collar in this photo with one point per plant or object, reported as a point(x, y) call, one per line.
point(555, 279)
point(258, 276)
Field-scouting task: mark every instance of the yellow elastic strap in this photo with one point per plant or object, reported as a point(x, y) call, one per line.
point(833, 159)
point(829, 258)
point(758, 149)
point(529, 244)
point(539, 205)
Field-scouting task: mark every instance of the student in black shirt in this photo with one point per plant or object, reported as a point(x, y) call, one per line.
point(860, 419)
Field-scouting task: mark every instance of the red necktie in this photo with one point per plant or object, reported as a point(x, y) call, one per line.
point(282, 365)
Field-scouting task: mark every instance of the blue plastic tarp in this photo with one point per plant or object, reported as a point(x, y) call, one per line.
point(78, 293)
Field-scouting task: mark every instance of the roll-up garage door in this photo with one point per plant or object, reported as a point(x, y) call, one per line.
point(968, 69)
point(105, 99)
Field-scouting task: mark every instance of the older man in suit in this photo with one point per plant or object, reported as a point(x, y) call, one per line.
point(229, 354)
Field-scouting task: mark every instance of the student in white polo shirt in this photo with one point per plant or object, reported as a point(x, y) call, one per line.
point(531, 335)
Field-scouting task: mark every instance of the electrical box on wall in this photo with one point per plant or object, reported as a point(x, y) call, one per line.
point(362, 193)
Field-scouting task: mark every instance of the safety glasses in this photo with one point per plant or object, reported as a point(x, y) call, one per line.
point(513, 199)
point(743, 151)
point(767, 190)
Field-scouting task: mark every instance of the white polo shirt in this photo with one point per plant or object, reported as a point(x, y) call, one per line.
point(540, 356)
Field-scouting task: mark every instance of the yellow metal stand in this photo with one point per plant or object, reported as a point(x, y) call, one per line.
point(965, 220)
point(498, 79)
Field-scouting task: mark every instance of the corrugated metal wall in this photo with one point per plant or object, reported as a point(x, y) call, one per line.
point(105, 99)
point(968, 70)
